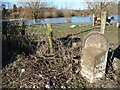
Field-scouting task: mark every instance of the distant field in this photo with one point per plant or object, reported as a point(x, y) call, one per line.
point(62, 30)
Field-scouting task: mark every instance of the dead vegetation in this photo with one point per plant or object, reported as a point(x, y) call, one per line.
point(33, 67)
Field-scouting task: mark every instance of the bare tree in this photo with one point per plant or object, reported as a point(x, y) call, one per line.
point(35, 7)
point(97, 7)
point(67, 11)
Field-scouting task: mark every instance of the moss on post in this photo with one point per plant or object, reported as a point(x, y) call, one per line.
point(49, 33)
point(103, 22)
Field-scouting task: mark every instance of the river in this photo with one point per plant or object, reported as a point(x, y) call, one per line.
point(75, 19)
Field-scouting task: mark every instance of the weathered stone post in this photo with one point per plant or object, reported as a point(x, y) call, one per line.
point(103, 22)
point(94, 56)
point(49, 33)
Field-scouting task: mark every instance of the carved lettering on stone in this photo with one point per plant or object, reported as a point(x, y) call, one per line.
point(94, 57)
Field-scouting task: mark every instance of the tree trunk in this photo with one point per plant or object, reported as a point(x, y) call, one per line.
point(35, 18)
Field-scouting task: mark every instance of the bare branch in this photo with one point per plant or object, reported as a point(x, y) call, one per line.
point(35, 6)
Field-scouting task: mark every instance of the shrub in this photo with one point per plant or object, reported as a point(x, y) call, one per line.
point(60, 14)
point(48, 15)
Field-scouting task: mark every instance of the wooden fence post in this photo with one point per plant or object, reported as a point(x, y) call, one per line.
point(49, 33)
point(93, 20)
point(22, 25)
point(103, 22)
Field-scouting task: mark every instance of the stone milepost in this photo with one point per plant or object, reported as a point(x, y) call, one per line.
point(94, 57)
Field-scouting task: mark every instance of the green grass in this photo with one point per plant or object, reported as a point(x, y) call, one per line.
point(110, 28)
point(65, 29)
point(61, 30)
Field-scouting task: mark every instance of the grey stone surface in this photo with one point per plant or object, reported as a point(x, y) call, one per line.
point(94, 57)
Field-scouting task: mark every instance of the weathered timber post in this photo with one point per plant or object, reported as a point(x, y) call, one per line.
point(22, 25)
point(93, 19)
point(49, 33)
point(118, 25)
point(94, 56)
point(103, 22)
